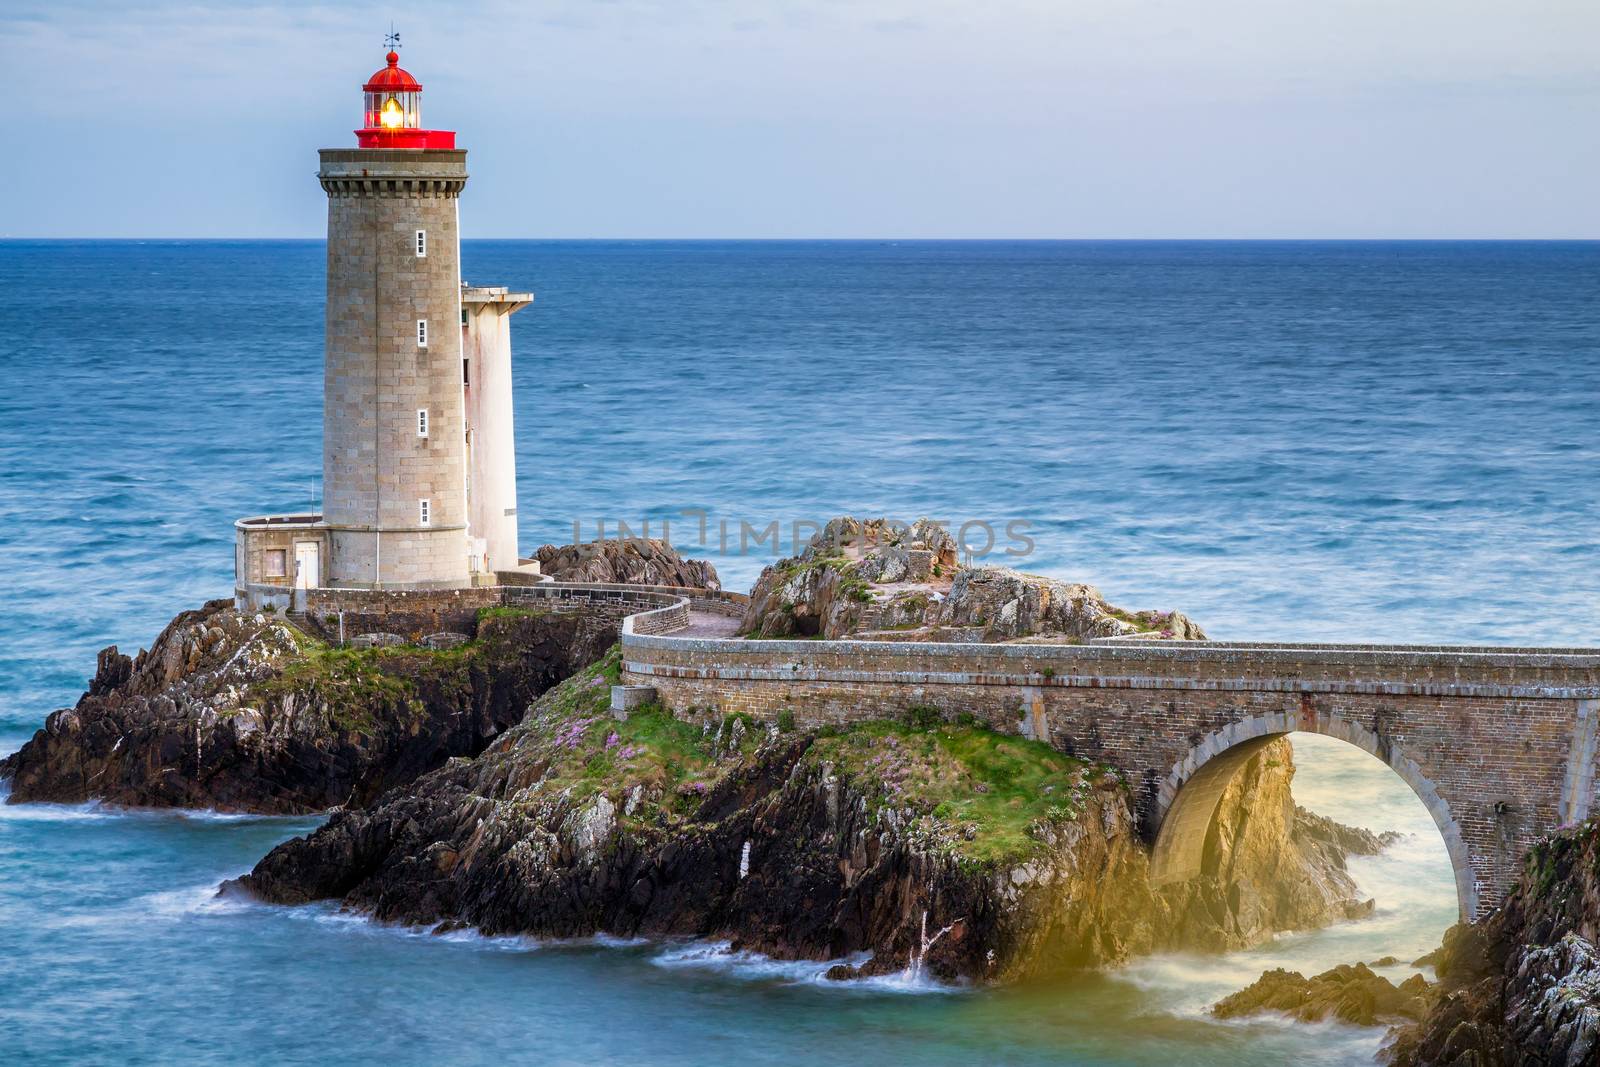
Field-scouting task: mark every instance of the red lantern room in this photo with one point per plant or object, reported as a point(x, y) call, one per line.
point(394, 112)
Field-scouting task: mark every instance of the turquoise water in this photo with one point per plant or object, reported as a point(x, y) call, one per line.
point(1329, 441)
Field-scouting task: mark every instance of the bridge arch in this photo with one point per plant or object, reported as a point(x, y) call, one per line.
point(1187, 799)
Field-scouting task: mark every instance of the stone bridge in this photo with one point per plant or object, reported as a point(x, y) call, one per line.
point(1499, 743)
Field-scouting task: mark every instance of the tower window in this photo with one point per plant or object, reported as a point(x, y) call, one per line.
point(277, 563)
point(422, 333)
point(422, 243)
point(466, 372)
point(424, 513)
point(422, 422)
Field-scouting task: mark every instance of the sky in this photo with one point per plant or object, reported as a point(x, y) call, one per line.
point(825, 118)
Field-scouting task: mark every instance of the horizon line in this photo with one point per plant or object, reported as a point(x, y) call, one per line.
point(9, 238)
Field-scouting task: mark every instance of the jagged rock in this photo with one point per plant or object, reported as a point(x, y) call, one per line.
point(635, 561)
point(1345, 840)
point(242, 712)
point(1522, 986)
point(870, 839)
point(1003, 604)
point(895, 581)
point(1349, 993)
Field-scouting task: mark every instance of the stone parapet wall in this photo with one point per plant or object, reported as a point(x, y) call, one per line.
point(651, 609)
point(1168, 665)
point(411, 613)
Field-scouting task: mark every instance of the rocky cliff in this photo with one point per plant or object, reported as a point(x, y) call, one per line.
point(1523, 987)
point(250, 712)
point(635, 561)
point(930, 844)
point(891, 581)
point(244, 712)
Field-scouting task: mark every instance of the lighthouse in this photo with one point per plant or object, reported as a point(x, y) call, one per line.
point(419, 481)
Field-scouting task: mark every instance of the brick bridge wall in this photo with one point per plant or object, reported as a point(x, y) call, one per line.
point(1499, 744)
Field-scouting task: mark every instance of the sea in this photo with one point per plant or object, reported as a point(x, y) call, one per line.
point(1318, 441)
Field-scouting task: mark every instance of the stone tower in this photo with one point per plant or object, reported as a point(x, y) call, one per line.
point(419, 486)
point(394, 434)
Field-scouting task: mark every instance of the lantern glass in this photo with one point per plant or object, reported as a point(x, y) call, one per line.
point(394, 111)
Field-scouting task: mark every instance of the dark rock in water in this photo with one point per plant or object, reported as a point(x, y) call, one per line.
point(1428, 959)
point(1350, 993)
point(243, 712)
point(1523, 986)
point(635, 561)
point(1346, 840)
point(873, 838)
point(841, 972)
point(1384, 961)
point(1360, 909)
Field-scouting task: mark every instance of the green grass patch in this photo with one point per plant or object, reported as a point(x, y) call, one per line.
point(588, 751)
point(357, 683)
point(989, 790)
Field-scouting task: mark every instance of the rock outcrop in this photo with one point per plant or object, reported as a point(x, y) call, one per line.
point(1522, 987)
point(1341, 840)
point(1350, 993)
point(890, 581)
point(1268, 865)
point(936, 846)
point(634, 561)
point(244, 712)
point(250, 712)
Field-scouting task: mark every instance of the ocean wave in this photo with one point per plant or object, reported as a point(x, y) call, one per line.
point(100, 811)
point(722, 958)
point(211, 898)
point(336, 917)
point(208, 899)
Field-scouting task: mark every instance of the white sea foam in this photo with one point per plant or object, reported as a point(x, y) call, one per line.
point(720, 957)
point(334, 917)
point(99, 811)
point(613, 941)
point(212, 898)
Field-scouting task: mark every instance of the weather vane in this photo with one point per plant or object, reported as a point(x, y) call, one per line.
point(392, 41)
